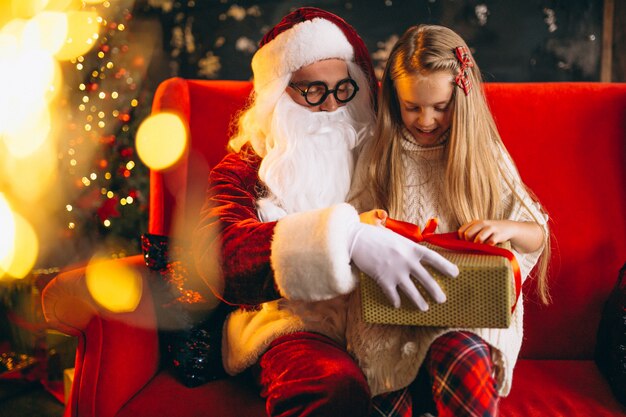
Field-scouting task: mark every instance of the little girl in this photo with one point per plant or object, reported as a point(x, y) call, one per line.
point(438, 154)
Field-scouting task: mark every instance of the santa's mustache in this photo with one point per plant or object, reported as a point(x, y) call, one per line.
point(309, 159)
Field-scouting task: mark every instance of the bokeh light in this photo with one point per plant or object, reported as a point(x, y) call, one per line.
point(161, 140)
point(64, 4)
point(28, 8)
point(28, 79)
point(15, 28)
point(7, 237)
point(82, 31)
point(46, 31)
point(30, 178)
point(34, 36)
point(26, 138)
point(25, 249)
point(114, 285)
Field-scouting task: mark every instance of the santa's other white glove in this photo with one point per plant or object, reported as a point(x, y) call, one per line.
point(390, 259)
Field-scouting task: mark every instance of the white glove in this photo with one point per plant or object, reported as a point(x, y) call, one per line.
point(269, 211)
point(390, 259)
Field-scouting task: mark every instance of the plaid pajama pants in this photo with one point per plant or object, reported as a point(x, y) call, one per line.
point(392, 404)
point(458, 372)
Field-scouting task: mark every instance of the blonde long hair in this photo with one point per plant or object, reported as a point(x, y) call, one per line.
point(473, 175)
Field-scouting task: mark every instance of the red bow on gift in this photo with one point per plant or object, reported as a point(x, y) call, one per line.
point(462, 79)
point(452, 241)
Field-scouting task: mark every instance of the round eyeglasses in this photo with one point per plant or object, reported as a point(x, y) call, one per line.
point(315, 93)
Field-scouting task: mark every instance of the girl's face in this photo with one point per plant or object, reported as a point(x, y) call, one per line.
point(426, 105)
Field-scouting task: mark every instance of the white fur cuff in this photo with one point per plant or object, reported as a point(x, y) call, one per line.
point(310, 253)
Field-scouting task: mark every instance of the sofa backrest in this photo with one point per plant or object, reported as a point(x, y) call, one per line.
point(568, 140)
point(207, 107)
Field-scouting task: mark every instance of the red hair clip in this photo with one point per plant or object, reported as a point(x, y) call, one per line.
point(462, 79)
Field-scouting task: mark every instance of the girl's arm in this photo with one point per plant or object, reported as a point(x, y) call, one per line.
point(525, 237)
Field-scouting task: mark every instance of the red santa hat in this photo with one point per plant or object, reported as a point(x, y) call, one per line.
point(305, 36)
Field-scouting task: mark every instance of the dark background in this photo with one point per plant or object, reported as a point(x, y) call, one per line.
point(536, 40)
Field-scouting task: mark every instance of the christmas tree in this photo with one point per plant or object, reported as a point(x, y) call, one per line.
point(106, 185)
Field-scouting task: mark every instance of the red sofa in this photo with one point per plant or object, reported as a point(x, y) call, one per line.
point(569, 141)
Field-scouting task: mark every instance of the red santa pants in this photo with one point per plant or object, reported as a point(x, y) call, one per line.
point(307, 374)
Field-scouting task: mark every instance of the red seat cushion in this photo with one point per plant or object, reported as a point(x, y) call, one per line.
point(231, 397)
point(541, 388)
point(556, 388)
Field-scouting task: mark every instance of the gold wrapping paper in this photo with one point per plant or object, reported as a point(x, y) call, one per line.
point(481, 296)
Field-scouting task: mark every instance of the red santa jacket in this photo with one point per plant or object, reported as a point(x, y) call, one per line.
point(232, 246)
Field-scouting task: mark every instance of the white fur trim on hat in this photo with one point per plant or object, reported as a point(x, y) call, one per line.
point(303, 44)
point(310, 253)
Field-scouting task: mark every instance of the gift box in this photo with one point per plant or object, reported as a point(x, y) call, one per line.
point(482, 295)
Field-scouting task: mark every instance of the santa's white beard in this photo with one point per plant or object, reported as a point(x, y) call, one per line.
point(309, 159)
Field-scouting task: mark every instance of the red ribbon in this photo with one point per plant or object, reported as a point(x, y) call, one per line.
point(462, 79)
point(452, 241)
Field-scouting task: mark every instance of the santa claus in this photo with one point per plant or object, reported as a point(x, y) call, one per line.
point(287, 242)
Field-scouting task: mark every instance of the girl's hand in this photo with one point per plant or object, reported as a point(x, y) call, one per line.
point(376, 217)
point(525, 237)
point(490, 232)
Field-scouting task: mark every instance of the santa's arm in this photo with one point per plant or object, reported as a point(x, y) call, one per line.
point(248, 262)
point(232, 248)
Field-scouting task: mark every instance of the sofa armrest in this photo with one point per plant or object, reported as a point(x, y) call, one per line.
point(118, 353)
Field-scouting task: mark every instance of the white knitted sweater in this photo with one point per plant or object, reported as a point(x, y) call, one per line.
point(391, 355)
